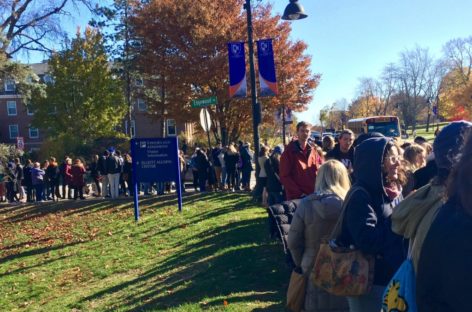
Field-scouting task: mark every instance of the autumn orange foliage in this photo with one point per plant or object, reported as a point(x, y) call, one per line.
point(184, 56)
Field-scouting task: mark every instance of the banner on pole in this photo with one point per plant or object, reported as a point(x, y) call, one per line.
point(267, 79)
point(237, 69)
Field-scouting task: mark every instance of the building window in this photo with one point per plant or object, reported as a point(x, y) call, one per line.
point(33, 133)
point(171, 130)
point(139, 82)
point(10, 85)
point(132, 129)
point(11, 108)
point(48, 79)
point(14, 133)
point(29, 110)
point(141, 105)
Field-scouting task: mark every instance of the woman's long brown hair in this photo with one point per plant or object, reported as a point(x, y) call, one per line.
point(459, 185)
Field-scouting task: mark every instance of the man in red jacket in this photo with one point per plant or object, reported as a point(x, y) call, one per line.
point(299, 164)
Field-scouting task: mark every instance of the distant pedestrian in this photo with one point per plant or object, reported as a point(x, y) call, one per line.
point(27, 181)
point(275, 192)
point(203, 166)
point(95, 174)
point(63, 169)
point(113, 169)
point(52, 174)
point(78, 179)
point(231, 160)
point(37, 177)
point(103, 171)
point(328, 143)
point(343, 151)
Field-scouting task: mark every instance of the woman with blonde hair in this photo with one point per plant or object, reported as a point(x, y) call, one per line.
point(314, 221)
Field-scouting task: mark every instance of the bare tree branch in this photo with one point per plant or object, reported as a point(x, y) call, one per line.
point(33, 22)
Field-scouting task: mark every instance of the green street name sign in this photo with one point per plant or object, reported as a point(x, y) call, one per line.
point(204, 102)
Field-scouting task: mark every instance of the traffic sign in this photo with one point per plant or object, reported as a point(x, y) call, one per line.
point(204, 102)
point(20, 143)
point(205, 120)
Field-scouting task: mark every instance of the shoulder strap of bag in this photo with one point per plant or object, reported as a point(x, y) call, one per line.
point(338, 227)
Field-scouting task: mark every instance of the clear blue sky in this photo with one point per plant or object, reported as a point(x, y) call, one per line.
point(350, 39)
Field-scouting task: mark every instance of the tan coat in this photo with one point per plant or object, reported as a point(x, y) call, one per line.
point(413, 217)
point(313, 221)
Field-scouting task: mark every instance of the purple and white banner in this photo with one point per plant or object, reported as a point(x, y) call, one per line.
point(267, 79)
point(237, 69)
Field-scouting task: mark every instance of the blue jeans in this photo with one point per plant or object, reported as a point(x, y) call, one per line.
point(246, 176)
point(39, 191)
point(223, 176)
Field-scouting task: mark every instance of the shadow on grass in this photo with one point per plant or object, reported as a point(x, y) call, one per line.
point(39, 264)
point(37, 251)
point(69, 207)
point(231, 259)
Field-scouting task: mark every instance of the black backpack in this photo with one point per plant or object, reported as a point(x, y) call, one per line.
point(113, 164)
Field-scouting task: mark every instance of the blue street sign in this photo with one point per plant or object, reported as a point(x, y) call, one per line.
point(155, 160)
point(435, 110)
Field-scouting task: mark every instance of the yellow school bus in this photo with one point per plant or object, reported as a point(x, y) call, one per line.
point(387, 125)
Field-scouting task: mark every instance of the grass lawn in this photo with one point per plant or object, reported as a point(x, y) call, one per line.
point(92, 256)
point(421, 130)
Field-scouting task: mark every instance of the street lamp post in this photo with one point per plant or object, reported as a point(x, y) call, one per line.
point(256, 112)
point(293, 11)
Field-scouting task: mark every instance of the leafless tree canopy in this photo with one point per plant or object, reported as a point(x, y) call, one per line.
point(28, 25)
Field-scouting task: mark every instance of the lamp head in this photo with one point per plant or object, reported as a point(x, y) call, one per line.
point(294, 11)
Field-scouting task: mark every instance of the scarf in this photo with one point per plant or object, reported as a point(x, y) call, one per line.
point(392, 190)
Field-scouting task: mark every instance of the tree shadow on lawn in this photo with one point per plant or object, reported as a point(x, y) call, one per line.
point(71, 207)
point(232, 259)
point(240, 203)
point(37, 251)
point(29, 212)
point(37, 265)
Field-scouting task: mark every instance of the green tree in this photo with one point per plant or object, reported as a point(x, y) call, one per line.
point(83, 101)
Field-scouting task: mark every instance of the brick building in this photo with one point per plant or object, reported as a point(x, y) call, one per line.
point(15, 117)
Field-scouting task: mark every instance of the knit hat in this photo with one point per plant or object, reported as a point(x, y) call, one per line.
point(278, 150)
point(364, 136)
point(448, 143)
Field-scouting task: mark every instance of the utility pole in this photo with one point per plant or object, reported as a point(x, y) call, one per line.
point(127, 72)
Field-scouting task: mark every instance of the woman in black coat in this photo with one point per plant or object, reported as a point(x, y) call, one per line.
point(231, 159)
point(367, 219)
point(444, 268)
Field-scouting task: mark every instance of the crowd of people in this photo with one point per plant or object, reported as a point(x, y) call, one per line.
point(110, 175)
point(399, 199)
point(391, 199)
